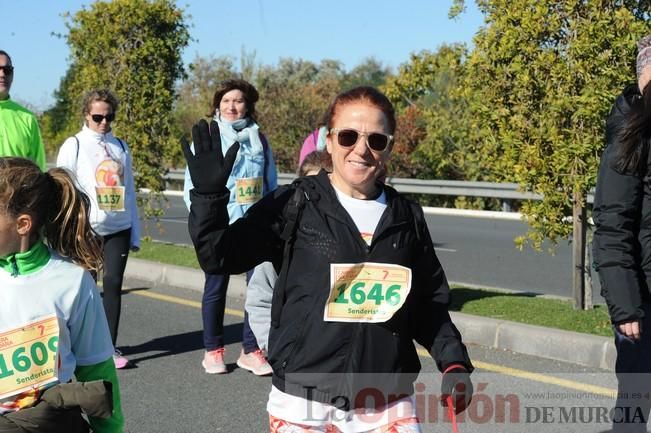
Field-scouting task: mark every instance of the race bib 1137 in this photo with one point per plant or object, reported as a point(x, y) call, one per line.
point(110, 198)
point(366, 292)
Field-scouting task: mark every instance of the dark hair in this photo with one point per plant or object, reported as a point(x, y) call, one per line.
point(367, 94)
point(251, 96)
point(635, 134)
point(56, 206)
point(4, 53)
point(102, 95)
point(317, 160)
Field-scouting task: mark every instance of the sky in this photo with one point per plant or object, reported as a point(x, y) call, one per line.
point(348, 30)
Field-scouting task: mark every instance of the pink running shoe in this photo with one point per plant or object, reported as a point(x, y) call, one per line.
point(213, 361)
point(255, 362)
point(120, 361)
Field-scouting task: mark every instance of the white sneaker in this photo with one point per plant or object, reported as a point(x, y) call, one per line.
point(255, 362)
point(120, 361)
point(213, 361)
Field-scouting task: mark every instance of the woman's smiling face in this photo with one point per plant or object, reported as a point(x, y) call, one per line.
point(232, 106)
point(356, 168)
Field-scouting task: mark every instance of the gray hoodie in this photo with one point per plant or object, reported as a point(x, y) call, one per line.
point(258, 301)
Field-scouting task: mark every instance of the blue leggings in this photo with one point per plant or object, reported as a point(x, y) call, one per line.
point(213, 305)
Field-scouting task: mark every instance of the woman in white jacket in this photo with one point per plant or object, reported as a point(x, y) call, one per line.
point(103, 168)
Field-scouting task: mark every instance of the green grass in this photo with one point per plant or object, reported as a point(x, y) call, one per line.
point(524, 308)
point(167, 253)
point(531, 309)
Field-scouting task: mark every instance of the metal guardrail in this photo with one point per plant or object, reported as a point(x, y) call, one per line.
point(503, 191)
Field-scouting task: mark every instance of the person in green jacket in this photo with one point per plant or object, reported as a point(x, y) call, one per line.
point(19, 131)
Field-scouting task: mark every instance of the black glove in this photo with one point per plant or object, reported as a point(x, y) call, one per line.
point(209, 168)
point(456, 384)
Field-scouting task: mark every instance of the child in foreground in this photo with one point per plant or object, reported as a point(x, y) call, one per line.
point(52, 323)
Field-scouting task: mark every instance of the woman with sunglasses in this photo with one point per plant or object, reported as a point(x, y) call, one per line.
point(358, 278)
point(102, 165)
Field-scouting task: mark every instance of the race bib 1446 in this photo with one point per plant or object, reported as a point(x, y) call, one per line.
point(366, 292)
point(248, 190)
point(28, 356)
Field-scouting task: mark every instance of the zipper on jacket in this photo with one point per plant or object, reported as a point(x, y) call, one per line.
point(14, 266)
point(298, 343)
point(352, 346)
point(386, 230)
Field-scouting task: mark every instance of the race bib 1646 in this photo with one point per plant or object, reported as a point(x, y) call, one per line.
point(366, 292)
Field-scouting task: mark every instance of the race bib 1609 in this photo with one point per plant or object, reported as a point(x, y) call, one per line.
point(28, 356)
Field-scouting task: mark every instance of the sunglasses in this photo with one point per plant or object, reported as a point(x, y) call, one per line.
point(7, 69)
point(97, 118)
point(375, 141)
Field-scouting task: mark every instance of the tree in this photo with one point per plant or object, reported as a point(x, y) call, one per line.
point(196, 91)
point(288, 72)
point(132, 47)
point(293, 98)
point(546, 73)
point(424, 75)
point(289, 111)
point(433, 134)
point(55, 122)
point(370, 72)
point(329, 70)
point(541, 80)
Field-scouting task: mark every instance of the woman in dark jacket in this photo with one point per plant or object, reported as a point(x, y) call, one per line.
point(622, 242)
point(358, 282)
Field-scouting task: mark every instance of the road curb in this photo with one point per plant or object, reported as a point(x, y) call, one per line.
point(574, 347)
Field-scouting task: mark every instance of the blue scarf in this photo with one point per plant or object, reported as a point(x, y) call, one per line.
point(321, 140)
point(244, 131)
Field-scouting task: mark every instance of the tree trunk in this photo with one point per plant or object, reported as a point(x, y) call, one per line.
point(588, 270)
point(578, 252)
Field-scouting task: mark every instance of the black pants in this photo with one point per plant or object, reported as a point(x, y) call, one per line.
point(633, 370)
point(116, 252)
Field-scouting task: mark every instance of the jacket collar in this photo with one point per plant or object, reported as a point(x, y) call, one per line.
point(395, 214)
point(96, 136)
point(28, 262)
point(627, 98)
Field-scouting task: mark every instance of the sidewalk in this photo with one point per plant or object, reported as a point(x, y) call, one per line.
point(566, 346)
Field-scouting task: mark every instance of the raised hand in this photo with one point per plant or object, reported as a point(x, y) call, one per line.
point(209, 168)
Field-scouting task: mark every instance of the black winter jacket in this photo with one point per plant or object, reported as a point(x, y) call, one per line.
point(622, 216)
point(321, 360)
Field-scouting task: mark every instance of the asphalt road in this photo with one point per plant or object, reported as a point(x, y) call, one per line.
point(168, 392)
point(473, 251)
